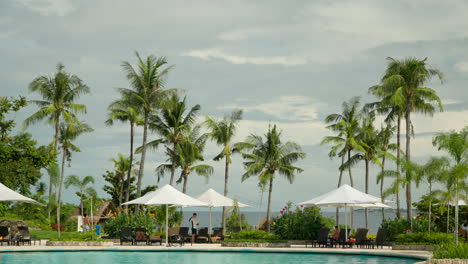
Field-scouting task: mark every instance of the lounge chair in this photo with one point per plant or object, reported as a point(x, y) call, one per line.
point(322, 238)
point(140, 235)
point(361, 238)
point(174, 236)
point(4, 235)
point(184, 233)
point(154, 239)
point(203, 236)
point(380, 239)
point(24, 236)
point(341, 238)
point(217, 235)
point(126, 235)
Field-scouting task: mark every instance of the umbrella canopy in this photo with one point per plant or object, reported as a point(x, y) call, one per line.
point(345, 195)
point(7, 194)
point(374, 205)
point(167, 195)
point(460, 203)
point(215, 199)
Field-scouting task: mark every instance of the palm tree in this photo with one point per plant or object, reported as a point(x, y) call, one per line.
point(58, 94)
point(121, 166)
point(394, 113)
point(346, 124)
point(410, 75)
point(189, 153)
point(171, 124)
point(81, 184)
point(383, 145)
point(68, 133)
point(53, 171)
point(456, 144)
point(222, 132)
point(432, 172)
point(147, 83)
point(125, 110)
point(270, 156)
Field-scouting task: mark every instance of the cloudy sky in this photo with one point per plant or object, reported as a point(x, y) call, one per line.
point(286, 63)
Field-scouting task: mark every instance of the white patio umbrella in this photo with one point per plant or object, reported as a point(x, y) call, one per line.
point(460, 203)
point(215, 199)
point(7, 194)
point(167, 195)
point(345, 196)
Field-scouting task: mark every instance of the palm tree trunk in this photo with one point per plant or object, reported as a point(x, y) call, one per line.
point(142, 160)
point(367, 190)
point(352, 185)
point(226, 180)
point(382, 185)
point(448, 216)
point(129, 173)
point(121, 194)
point(270, 189)
point(457, 198)
point(430, 207)
point(173, 165)
point(82, 205)
point(59, 199)
point(184, 188)
point(408, 158)
point(49, 206)
point(340, 179)
point(398, 167)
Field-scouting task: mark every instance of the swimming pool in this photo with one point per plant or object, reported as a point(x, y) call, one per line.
point(183, 257)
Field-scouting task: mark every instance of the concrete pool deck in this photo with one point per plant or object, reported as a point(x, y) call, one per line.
point(421, 255)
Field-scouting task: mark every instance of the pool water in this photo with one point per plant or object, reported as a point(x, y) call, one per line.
point(190, 258)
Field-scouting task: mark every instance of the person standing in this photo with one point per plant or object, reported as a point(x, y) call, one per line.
point(85, 223)
point(194, 221)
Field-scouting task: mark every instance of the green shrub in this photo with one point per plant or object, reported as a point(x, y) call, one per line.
point(424, 238)
point(236, 219)
point(395, 227)
point(451, 251)
point(114, 225)
point(255, 235)
point(300, 225)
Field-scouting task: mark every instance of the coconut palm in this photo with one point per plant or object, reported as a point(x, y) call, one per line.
point(121, 166)
point(189, 154)
point(53, 171)
point(147, 90)
point(81, 184)
point(394, 113)
point(222, 132)
point(410, 75)
point(171, 124)
point(269, 156)
point(435, 170)
point(68, 133)
point(126, 110)
point(58, 96)
point(456, 144)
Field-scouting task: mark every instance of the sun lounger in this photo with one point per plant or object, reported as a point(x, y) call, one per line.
point(184, 233)
point(24, 236)
point(4, 235)
point(361, 239)
point(322, 238)
point(380, 239)
point(140, 235)
point(217, 235)
point(154, 239)
point(341, 238)
point(202, 236)
point(174, 236)
point(126, 235)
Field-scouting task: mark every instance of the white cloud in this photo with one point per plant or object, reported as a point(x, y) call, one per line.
point(294, 107)
point(241, 34)
point(214, 53)
point(462, 66)
point(449, 101)
point(440, 122)
point(49, 7)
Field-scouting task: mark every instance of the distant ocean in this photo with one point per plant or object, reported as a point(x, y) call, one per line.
point(254, 218)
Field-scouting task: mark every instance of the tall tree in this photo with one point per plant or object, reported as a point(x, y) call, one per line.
point(456, 144)
point(394, 113)
point(189, 154)
point(81, 184)
point(147, 89)
point(269, 156)
point(171, 124)
point(346, 124)
point(121, 166)
point(410, 75)
point(222, 132)
point(383, 145)
point(126, 110)
point(59, 94)
point(68, 133)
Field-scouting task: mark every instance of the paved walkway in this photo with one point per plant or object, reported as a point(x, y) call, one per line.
point(217, 247)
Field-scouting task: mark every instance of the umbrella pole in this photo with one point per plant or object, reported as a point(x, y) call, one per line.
point(167, 225)
point(209, 230)
point(346, 224)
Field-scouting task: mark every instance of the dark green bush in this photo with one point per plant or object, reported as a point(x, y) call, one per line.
point(114, 225)
point(451, 251)
point(254, 235)
point(300, 224)
point(424, 238)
